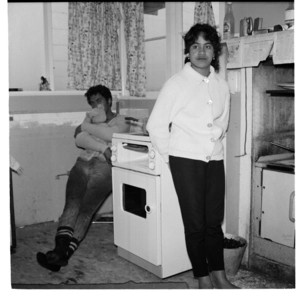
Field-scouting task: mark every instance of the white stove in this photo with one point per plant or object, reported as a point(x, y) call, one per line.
point(136, 152)
point(148, 227)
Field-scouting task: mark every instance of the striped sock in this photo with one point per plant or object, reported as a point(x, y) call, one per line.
point(64, 231)
point(73, 247)
point(62, 239)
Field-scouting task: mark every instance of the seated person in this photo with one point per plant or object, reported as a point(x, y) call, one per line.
point(96, 116)
point(89, 182)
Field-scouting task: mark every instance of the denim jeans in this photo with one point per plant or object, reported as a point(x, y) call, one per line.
point(88, 185)
point(200, 188)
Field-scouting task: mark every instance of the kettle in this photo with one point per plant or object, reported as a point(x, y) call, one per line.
point(246, 26)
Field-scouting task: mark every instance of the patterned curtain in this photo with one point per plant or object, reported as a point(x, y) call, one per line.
point(93, 45)
point(110, 75)
point(204, 14)
point(135, 48)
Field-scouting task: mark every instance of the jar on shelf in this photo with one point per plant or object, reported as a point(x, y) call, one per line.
point(289, 15)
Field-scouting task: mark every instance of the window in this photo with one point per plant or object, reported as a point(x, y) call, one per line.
point(60, 44)
point(155, 47)
point(27, 60)
point(44, 52)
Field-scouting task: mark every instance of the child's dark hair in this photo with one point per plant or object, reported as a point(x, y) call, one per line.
point(99, 89)
point(209, 33)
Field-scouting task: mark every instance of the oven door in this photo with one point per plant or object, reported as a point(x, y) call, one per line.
point(136, 205)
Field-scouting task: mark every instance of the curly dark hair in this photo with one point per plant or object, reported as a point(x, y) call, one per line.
point(99, 89)
point(209, 33)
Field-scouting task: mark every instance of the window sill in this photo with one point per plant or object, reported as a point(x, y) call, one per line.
point(149, 95)
point(45, 93)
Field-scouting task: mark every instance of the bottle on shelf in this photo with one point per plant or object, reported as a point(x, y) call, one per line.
point(289, 15)
point(228, 28)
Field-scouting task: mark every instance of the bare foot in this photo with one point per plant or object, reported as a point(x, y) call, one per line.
point(205, 282)
point(220, 281)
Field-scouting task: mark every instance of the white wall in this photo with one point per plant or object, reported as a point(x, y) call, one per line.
point(60, 44)
point(155, 26)
point(26, 45)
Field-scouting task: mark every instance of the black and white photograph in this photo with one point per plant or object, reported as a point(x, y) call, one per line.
point(151, 146)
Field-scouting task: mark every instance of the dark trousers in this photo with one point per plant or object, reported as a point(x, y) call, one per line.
point(89, 184)
point(200, 188)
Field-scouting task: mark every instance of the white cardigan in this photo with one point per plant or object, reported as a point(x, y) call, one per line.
point(198, 108)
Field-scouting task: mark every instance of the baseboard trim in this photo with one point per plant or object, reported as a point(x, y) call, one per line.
point(273, 269)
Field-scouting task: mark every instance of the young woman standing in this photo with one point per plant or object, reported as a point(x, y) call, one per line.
point(187, 125)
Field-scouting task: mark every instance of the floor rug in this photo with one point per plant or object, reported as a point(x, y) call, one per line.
point(128, 285)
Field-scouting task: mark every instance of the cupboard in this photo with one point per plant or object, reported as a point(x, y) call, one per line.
point(259, 195)
point(278, 200)
point(272, 248)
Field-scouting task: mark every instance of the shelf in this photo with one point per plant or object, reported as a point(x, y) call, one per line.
point(281, 93)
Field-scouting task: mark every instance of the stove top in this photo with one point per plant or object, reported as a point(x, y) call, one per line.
point(132, 136)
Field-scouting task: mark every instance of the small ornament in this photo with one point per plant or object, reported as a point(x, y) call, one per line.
point(44, 85)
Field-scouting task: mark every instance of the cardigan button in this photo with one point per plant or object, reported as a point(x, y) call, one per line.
point(208, 158)
point(209, 102)
point(209, 125)
point(212, 140)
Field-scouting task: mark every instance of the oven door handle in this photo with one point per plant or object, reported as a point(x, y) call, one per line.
point(148, 209)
